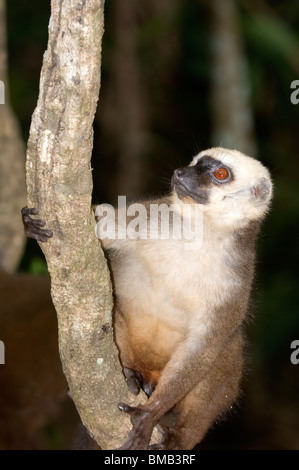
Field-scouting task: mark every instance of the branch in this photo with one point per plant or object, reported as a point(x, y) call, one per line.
point(59, 182)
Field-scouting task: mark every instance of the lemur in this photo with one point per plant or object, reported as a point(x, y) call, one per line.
point(179, 313)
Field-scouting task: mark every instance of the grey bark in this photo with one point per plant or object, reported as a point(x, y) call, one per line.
point(59, 184)
point(12, 170)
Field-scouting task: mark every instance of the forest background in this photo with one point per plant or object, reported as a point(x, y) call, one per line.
point(178, 77)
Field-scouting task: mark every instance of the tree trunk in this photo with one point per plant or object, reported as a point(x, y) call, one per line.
point(12, 171)
point(125, 110)
point(59, 184)
point(231, 110)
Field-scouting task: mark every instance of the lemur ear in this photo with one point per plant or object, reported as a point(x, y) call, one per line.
point(261, 191)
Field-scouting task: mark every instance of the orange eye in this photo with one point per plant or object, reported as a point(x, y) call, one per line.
point(221, 174)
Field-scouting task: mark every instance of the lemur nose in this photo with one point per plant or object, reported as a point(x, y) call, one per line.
point(179, 173)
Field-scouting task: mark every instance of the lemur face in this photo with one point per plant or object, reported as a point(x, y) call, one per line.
point(196, 181)
point(226, 182)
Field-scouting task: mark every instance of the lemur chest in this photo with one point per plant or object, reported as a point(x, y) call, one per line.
point(168, 288)
point(159, 303)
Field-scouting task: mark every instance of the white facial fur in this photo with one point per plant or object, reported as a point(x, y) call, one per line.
point(245, 198)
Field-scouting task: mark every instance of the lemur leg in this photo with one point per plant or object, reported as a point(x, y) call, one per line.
point(199, 408)
point(209, 400)
point(136, 377)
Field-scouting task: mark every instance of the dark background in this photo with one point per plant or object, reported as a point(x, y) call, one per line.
point(155, 113)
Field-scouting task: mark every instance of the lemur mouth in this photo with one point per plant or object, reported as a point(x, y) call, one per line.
point(200, 196)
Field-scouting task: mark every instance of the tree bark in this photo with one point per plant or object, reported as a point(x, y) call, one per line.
point(12, 171)
point(59, 182)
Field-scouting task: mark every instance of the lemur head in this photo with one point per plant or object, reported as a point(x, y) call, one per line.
point(232, 187)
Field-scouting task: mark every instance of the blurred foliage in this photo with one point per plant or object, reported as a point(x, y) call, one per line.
point(180, 125)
